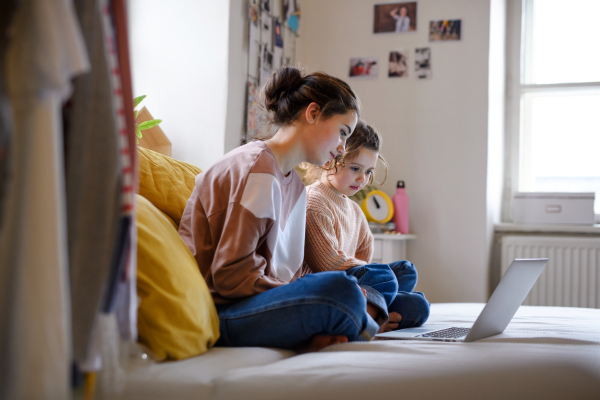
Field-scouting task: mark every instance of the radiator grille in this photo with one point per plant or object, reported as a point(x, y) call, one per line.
point(572, 276)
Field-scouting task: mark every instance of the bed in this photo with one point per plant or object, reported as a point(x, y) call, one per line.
point(545, 352)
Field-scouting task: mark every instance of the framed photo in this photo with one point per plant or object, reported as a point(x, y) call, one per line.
point(395, 17)
point(254, 117)
point(266, 65)
point(266, 5)
point(447, 29)
point(423, 62)
point(367, 67)
point(398, 64)
point(277, 38)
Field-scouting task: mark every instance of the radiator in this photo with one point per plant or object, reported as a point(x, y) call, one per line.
point(572, 276)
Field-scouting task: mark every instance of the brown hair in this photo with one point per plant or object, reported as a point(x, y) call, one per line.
point(364, 135)
point(290, 90)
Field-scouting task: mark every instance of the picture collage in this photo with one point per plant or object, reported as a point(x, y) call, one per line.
point(273, 28)
point(401, 18)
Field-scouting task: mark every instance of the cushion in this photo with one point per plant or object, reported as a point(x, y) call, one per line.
point(166, 182)
point(177, 317)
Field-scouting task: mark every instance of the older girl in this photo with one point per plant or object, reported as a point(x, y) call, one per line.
point(245, 225)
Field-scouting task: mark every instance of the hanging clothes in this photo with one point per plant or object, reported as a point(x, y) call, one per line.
point(94, 181)
point(121, 295)
point(45, 51)
point(100, 187)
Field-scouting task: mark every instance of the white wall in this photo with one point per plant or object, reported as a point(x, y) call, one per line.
point(435, 131)
point(237, 71)
point(442, 136)
point(179, 57)
point(496, 126)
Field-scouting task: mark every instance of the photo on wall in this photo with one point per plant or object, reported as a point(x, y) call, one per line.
point(266, 65)
point(395, 17)
point(291, 14)
point(398, 64)
point(367, 67)
point(447, 29)
point(255, 119)
point(423, 63)
point(266, 5)
point(277, 37)
point(266, 30)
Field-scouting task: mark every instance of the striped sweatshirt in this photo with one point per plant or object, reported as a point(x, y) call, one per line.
point(244, 223)
point(337, 233)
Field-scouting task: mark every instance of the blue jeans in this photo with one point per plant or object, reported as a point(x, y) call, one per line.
point(380, 283)
point(390, 288)
point(327, 303)
point(413, 306)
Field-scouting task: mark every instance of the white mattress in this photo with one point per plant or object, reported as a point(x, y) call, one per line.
point(546, 352)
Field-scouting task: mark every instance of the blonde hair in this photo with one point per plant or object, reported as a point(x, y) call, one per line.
point(364, 136)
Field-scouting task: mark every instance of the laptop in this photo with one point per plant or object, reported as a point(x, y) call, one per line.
point(495, 316)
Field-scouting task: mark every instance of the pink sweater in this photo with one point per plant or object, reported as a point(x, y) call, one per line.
point(337, 233)
point(244, 224)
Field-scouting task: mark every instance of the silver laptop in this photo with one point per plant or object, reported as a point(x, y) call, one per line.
point(495, 316)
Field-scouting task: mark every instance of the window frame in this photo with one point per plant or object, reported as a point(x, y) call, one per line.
point(517, 57)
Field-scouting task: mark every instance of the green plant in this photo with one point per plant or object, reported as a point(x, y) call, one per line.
point(144, 125)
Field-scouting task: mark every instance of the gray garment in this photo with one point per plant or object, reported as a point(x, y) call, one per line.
point(93, 185)
point(45, 50)
point(402, 23)
point(7, 9)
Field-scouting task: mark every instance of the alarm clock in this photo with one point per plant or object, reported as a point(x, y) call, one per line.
point(377, 207)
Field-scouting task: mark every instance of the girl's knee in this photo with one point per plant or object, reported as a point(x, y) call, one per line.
point(422, 306)
point(413, 307)
point(403, 266)
point(419, 309)
point(405, 271)
point(334, 284)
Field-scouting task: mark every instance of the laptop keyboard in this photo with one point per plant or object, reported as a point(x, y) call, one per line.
point(447, 333)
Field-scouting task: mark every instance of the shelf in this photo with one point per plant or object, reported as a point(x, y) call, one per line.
point(393, 236)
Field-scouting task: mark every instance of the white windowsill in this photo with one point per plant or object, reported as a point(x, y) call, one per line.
point(510, 227)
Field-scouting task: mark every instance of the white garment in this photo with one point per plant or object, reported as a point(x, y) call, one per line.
point(45, 51)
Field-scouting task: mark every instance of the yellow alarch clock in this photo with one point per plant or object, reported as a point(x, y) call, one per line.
point(377, 207)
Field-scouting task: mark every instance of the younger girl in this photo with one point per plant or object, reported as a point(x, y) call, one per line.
point(245, 223)
point(338, 236)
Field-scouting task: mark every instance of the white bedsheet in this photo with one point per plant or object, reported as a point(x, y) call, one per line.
point(546, 352)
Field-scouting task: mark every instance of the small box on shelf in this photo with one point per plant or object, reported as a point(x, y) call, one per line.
point(554, 208)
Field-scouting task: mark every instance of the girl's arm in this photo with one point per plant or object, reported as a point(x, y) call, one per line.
point(364, 249)
point(230, 239)
point(238, 267)
point(322, 251)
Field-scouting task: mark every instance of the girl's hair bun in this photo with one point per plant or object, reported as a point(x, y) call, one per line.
point(281, 84)
point(290, 90)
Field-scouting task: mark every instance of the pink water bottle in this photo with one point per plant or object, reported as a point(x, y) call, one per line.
point(400, 201)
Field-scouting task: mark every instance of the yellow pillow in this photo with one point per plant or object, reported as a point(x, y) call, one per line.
point(166, 182)
point(177, 317)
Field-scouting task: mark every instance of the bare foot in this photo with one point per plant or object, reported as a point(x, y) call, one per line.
point(391, 323)
point(319, 342)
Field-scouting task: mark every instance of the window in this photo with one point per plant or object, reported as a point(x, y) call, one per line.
point(554, 97)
